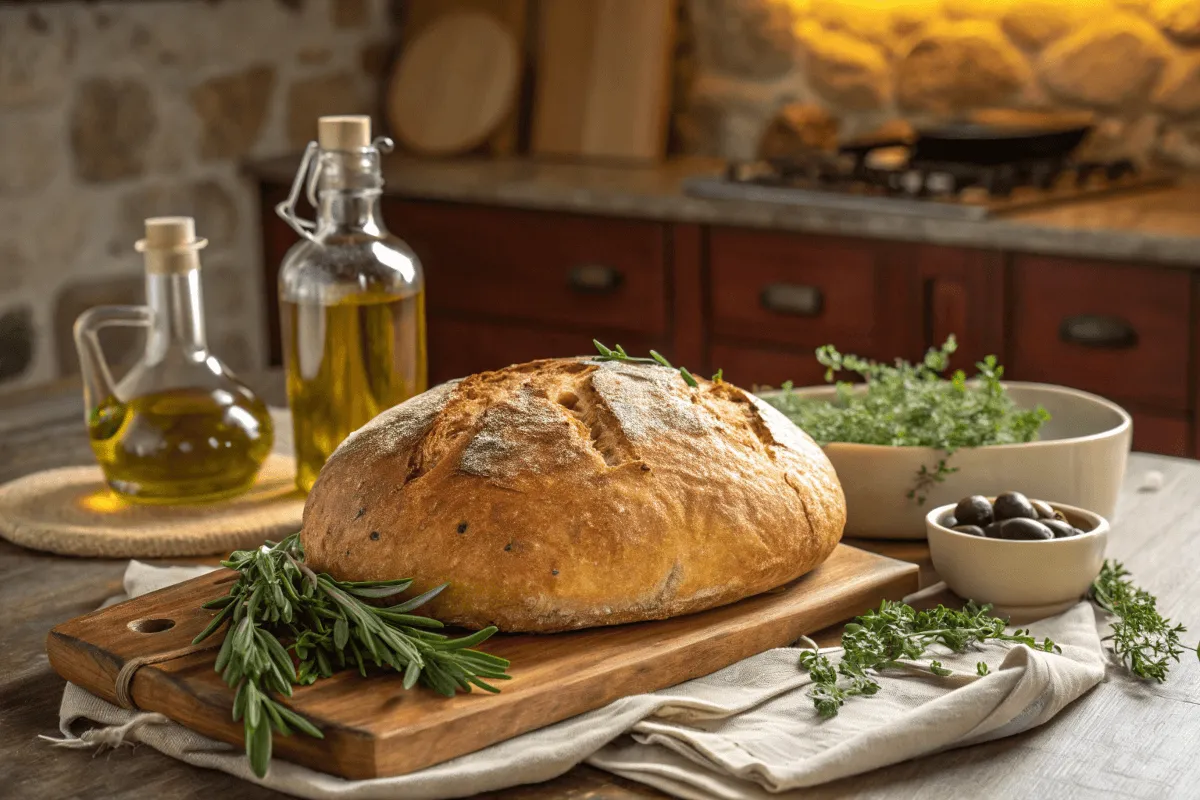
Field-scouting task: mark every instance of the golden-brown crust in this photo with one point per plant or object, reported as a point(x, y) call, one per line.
point(569, 493)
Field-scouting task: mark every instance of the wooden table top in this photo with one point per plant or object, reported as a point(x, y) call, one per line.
point(1122, 739)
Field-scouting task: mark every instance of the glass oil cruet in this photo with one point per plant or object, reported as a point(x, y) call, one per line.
point(179, 427)
point(351, 296)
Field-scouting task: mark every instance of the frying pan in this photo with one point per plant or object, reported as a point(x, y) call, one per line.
point(988, 139)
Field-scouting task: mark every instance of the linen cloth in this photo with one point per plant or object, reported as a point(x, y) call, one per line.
point(747, 731)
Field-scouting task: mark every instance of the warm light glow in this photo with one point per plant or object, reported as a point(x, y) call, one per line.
point(872, 5)
point(103, 501)
point(964, 6)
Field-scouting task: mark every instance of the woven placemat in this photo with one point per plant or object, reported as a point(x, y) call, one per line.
point(70, 511)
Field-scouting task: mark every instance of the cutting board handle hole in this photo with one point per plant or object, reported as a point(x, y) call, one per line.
point(152, 625)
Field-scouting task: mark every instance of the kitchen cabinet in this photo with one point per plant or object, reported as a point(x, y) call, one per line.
point(1117, 330)
point(962, 292)
point(508, 285)
point(1161, 432)
point(801, 292)
point(460, 346)
point(562, 270)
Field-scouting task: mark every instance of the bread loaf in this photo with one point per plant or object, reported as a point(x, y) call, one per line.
point(568, 493)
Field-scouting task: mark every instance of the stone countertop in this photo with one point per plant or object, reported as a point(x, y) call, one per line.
point(1153, 225)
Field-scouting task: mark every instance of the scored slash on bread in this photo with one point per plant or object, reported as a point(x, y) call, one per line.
point(569, 493)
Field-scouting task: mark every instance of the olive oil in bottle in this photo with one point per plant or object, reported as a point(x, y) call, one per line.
point(181, 444)
point(352, 299)
point(179, 426)
point(345, 363)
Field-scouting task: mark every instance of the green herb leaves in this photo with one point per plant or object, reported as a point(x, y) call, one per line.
point(909, 405)
point(1142, 639)
point(328, 626)
point(618, 354)
point(897, 633)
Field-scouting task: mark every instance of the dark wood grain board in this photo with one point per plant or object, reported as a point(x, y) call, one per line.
point(374, 728)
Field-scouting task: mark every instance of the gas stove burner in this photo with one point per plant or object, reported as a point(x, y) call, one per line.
point(891, 178)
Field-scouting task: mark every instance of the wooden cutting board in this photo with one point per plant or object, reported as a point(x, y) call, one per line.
point(512, 15)
point(604, 78)
point(454, 84)
point(374, 728)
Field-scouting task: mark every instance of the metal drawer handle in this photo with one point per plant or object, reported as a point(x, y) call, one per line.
point(594, 278)
point(1098, 330)
point(795, 299)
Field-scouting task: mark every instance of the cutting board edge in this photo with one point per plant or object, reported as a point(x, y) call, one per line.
point(902, 582)
point(373, 759)
point(60, 645)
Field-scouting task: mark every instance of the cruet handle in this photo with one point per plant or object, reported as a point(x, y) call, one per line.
point(97, 378)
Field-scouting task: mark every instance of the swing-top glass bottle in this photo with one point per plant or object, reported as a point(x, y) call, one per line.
point(351, 295)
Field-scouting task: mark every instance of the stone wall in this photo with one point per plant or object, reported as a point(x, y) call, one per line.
point(1136, 63)
point(114, 111)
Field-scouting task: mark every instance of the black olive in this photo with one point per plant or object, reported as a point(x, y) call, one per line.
point(973, 510)
point(1060, 529)
point(1043, 509)
point(971, 530)
point(992, 530)
point(949, 522)
point(1023, 529)
point(1013, 505)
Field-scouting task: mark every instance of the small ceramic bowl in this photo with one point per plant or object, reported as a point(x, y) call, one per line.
point(1021, 579)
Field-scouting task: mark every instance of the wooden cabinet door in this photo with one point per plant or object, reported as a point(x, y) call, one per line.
point(1120, 331)
point(792, 293)
point(1161, 432)
point(589, 274)
point(962, 293)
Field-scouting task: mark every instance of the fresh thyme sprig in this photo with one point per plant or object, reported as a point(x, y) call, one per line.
point(897, 633)
point(913, 405)
point(618, 354)
point(1142, 639)
point(327, 625)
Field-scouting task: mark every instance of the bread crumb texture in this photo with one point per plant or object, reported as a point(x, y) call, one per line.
point(569, 493)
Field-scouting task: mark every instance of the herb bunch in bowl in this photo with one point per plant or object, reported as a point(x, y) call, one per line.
point(913, 405)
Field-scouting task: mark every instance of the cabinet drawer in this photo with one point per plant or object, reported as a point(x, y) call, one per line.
point(808, 291)
point(575, 272)
point(459, 347)
point(1116, 330)
point(749, 367)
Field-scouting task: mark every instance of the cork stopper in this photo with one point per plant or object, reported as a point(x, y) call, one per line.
point(171, 245)
point(351, 132)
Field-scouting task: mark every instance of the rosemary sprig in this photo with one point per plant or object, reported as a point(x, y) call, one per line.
point(1142, 639)
point(618, 354)
point(327, 626)
point(897, 632)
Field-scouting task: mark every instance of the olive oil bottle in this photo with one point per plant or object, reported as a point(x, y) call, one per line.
point(352, 298)
point(179, 427)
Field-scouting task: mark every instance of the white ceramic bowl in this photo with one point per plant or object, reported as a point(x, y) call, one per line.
point(1025, 580)
point(1079, 459)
